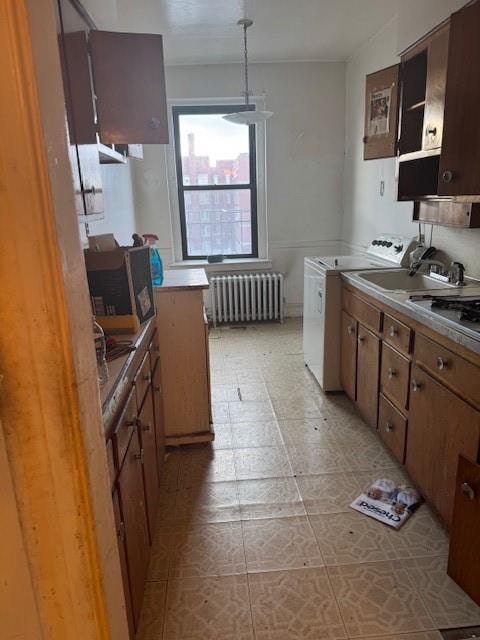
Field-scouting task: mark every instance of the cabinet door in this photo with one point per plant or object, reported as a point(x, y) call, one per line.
point(368, 371)
point(130, 87)
point(146, 426)
point(348, 366)
point(132, 499)
point(435, 89)
point(158, 412)
point(460, 159)
point(120, 527)
point(464, 557)
point(381, 113)
point(84, 158)
point(440, 428)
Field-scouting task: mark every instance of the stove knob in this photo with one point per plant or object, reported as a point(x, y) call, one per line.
point(398, 248)
point(389, 244)
point(374, 243)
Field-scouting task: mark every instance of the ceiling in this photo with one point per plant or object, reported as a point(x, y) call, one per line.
point(205, 31)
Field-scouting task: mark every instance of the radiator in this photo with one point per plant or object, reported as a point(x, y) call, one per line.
point(247, 297)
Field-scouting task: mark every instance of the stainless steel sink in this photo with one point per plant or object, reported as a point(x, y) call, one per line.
point(399, 280)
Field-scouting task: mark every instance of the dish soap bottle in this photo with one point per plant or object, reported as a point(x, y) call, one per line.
point(100, 352)
point(155, 259)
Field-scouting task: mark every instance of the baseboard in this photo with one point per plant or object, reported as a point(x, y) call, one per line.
point(293, 310)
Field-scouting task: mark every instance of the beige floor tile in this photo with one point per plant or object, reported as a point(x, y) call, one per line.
point(224, 392)
point(208, 502)
point(348, 538)
point(424, 635)
point(328, 493)
point(250, 411)
point(252, 392)
point(294, 605)
point(378, 599)
point(256, 434)
point(223, 436)
point(313, 430)
point(368, 456)
point(311, 459)
point(206, 465)
point(153, 612)
point(221, 376)
point(262, 462)
point(207, 550)
point(220, 412)
point(296, 408)
point(422, 535)
point(249, 375)
point(280, 543)
point(160, 553)
point(397, 474)
point(269, 498)
point(448, 605)
point(208, 609)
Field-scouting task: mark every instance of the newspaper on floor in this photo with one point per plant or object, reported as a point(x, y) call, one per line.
point(387, 502)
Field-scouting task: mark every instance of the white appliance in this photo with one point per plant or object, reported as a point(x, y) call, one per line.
point(322, 302)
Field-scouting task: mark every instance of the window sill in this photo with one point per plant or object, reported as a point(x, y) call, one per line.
point(232, 264)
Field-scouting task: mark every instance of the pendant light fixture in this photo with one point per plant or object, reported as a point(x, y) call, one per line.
point(247, 117)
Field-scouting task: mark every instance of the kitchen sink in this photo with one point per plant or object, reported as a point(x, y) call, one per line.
point(399, 280)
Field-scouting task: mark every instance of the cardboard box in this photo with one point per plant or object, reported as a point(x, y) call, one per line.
point(121, 291)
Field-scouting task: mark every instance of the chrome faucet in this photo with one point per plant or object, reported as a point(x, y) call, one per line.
point(456, 273)
point(427, 263)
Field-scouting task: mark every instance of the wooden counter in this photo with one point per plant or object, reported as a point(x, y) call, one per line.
point(122, 371)
point(181, 279)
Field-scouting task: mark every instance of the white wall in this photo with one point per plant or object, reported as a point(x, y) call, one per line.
point(366, 213)
point(305, 148)
point(119, 215)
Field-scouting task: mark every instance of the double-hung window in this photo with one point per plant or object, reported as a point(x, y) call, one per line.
point(216, 172)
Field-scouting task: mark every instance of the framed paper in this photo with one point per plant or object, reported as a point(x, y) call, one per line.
point(381, 114)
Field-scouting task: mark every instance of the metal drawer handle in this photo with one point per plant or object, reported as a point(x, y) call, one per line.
point(393, 332)
point(432, 131)
point(147, 377)
point(351, 330)
point(441, 363)
point(447, 176)
point(416, 386)
point(361, 339)
point(131, 423)
point(140, 456)
point(158, 389)
point(145, 426)
point(391, 373)
point(389, 427)
point(154, 123)
point(468, 491)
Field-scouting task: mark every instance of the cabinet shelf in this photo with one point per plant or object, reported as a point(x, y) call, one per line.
point(416, 106)
point(108, 155)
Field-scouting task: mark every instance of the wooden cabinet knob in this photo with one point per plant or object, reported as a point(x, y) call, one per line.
point(351, 330)
point(154, 123)
point(441, 363)
point(361, 339)
point(447, 176)
point(416, 386)
point(389, 427)
point(393, 332)
point(391, 373)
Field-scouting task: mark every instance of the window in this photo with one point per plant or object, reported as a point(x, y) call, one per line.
point(216, 181)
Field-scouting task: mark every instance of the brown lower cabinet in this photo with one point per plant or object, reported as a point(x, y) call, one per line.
point(348, 366)
point(368, 368)
point(135, 451)
point(130, 486)
point(464, 557)
point(441, 428)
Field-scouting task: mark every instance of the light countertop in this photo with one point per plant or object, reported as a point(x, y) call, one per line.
point(180, 279)
point(400, 300)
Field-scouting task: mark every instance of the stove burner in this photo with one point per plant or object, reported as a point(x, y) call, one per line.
point(468, 308)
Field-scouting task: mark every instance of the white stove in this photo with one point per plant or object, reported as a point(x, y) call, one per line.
point(322, 305)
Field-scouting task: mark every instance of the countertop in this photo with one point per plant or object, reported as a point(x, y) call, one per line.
point(122, 370)
point(182, 279)
point(399, 300)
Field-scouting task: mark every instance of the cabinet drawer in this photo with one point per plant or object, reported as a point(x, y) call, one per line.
point(124, 428)
point(154, 351)
point(394, 377)
point(142, 380)
point(397, 334)
point(461, 376)
point(392, 427)
point(367, 314)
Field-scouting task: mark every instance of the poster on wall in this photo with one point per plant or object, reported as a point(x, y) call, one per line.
point(379, 112)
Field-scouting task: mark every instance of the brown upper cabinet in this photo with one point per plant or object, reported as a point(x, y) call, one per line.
point(115, 95)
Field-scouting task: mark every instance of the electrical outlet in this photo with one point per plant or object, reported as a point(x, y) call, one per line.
point(382, 188)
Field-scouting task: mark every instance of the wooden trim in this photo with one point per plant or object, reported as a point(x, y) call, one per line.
point(50, 404)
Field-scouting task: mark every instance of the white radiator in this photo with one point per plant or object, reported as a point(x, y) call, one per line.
point(247, 297)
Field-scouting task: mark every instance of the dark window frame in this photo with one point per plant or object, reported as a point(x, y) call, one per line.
point(178, 111)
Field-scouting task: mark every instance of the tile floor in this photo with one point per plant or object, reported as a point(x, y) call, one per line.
point(255, 537)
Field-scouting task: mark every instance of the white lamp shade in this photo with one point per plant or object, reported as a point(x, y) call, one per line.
point(248, 117)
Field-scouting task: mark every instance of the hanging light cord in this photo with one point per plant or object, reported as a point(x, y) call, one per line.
point(247, 93)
